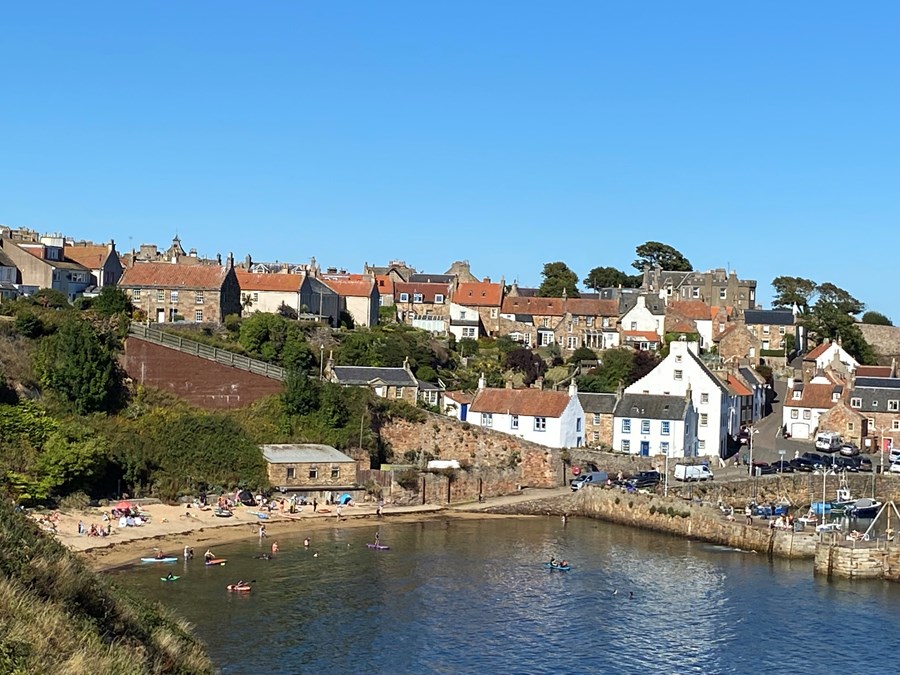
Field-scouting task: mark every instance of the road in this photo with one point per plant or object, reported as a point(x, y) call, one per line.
point(768, 441)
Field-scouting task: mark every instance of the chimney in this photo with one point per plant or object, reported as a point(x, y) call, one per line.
point(248, 261)
point(688, 394)
point(509, 384)
point(482, 383)
point(218, 259)
point(230, 262)
point(406, 365)
point(573, 388)
point(538, 383)
point(620, 390)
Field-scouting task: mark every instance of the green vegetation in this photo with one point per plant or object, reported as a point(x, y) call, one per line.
point(56, 616)
point(653, 254)
point(558, 279)
point(619, 366)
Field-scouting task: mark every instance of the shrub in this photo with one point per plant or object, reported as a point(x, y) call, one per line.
point(408, 479)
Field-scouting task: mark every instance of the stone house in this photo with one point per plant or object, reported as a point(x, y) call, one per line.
point(42, 264)
point(716, 287)
point(553, 419)
point(386, 382)
point(103, 261)
point(598, 418)
point(851, 424)
point(199, 293)
point(691, 316)
point(423, 305)
point(395, 270)
point(806, 401)
point(267, 292)
point(648, 424)
point(358, 297)
point(771, 328)
point(309, 468)
point(878, 400)
point(9, 275)
point(479, 302)
point(569, 322)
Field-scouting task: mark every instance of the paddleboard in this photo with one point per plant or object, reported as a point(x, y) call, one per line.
point(558, 567)
point(165, 560)
point(378, 547)
point(215, 561)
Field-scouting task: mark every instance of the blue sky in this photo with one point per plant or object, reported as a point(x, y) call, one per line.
point(760, 136)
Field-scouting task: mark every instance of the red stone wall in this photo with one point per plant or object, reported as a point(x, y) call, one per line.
point(203, 383)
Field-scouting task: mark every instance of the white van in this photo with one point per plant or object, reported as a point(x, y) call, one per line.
point(828, 441)
point(689, 472)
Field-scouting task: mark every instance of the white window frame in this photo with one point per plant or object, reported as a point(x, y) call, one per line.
point(404, 297)
point(895, 425)
point(704, 419)
point(678, 375)
point(664, 447)
point(198, 316)
point(417, 297)
point(626, 446)
point(596, 418)
point(198, 297)
point(795, 414)
point(723, 293)
point(136, 294)
point(487, 419)
point(513, 421)
point(173, 295)
point(438, 299)
point(704, 397)
point(626, 426)
point(313, 472)
point(335, 471)
point(893, 406)
point(494, 312)
point(540, 424)
point(398, 392)
point(665, 427)
point(807, 414)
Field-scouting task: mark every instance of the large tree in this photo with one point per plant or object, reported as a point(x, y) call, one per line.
point(610, 277)
point(654, 253)
point(832, 317)
point(790, 291)
point(558, 278)
point(876, 319)
point(527, 362)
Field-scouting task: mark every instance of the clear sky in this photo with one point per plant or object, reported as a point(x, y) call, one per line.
point(764, 136)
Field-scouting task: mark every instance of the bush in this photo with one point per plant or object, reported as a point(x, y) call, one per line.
point(408, 479)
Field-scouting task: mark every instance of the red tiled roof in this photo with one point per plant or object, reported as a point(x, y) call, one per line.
point(478, 294)
point(739, 387)
point(530, 402)
point(384, 284)
point(427, 290)
point(91, 257)
point(282, 283)
point(351, 289)
point(169, 275)
point(459, 396)
point(559, 306)
point(692, 309)
point(817, 352)
point(676, 324)
point(873, 371)
point(813, 396)
point(644, 336)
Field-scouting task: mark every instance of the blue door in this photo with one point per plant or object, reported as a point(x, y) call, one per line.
point(645, 448)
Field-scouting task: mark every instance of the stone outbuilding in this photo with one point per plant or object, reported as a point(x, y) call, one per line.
point(309, 467)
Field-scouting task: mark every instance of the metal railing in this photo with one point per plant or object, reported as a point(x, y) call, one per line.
point(193, 348)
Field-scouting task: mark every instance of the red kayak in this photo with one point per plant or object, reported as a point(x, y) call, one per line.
point(243, 588)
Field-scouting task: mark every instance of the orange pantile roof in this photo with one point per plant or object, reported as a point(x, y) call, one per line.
point(692, 309)
point(351, 288)
point(282, 283)
point(677, 324)
point(459, 396)
point(385, 284)
point(168, 275)
point(91, 257)
point(739, 387)
point(812, 396)
point(559, 306)
point(817, 352)
point(530, 402)
point(479, 294)
point(873, 371)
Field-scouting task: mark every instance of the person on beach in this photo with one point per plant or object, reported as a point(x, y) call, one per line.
point(274, 547)
point(377, 537)
point(306, 542)
point(379, 511)
point(262, 531)
point(187, 552)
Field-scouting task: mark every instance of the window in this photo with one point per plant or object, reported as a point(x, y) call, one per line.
point(595, 436)
point(875, 403)
point(578, 424)
point(678, 358)
point(664, 447)
point(589, 321)
point(417, 297)
point(198, 316)
point(723, 293)
point(290, 472)
point(664, 427)
point(174, 296)
point(626, 446)
point(545, 322)
point(487, 419)
point(634, 325)
point(668, 290)
point(438, 299)
point(765, 330)
point(871, 422)
point(765, 344)
point(313, 472)
point(160, 296)
point(893, 406)
point(404, 297)
point(781, 330)
point(469, 332)
point(795, 414)
point(596, 418)
point(335, 471)
point(797, 395)
point(136, 294)
point(850, 426)
point(605, 322)
point(679, 374)
point(514, 422)
point(572, 342)
point(626, 426)
point(696, 292)
point(807, 414)
point(895, 425)
point(494, 312)
point(540, 424)
point(704, 397)
point(645, 426)
point(398, 392)
point(704, 419)
point(701, 445)
point(198, 297)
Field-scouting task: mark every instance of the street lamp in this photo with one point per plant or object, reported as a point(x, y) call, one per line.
point(321, 361)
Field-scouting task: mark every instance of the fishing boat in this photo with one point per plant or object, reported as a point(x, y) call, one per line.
point(554, 566)
point(167, 559)
point(864, 508)
point(378, 547)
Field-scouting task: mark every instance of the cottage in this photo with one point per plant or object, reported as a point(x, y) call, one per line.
point(806, 402)
point(598, 418)
point(308, 467)
point(103, 262)
point(393, 383)
point(261, 292)
point(647, 424)
point(359, 298)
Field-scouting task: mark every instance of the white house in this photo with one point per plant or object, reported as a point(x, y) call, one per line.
point(826, 353)
point(268, 292)
point(805, 403)
point(717, 407)
point(643, 318)
point(551, 418)
point(646, 424)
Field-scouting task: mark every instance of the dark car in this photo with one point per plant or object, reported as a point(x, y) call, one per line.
point(803, 464)
point(783, 466)
point(646, 479)
point(762, 468)
point(814, 457)
point(849, 450)
point(847, 464)
point(865, 464)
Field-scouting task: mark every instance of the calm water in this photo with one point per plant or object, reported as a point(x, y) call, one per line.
point(472, 597)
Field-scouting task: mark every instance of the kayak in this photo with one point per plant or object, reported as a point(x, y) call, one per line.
point(241, 589)
point(561, 568)
point(168, 579)
point(215, 561)
point(223, 513)
point(169, 559)
point(378, 547)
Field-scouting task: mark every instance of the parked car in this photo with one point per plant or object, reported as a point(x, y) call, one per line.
point(646, 479)
point(783, 466)
point(803, 464)
point(895, 468)
point(865, 464)
point(813, 457)
point(828, 441)
point(689, 472)
point(762, 468)
point(589, 478)
point(847, 464)
point(849, 450)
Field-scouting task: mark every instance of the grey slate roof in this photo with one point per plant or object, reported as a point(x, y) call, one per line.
point(364, 375)
point(5, 260)
point(875, 392)
point(650, 407)
point(428, 386)
point(878, 382)
point(771, 317)
point(431, 278)
point(597, 403)
point(302, 453)
point(654, 303)
point(465, 322)
point(750, 376)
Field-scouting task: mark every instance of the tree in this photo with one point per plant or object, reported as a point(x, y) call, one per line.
point(286, 311)
point(790, 291)
point(583, 354)
point(77, 364)
point(111, 301)
point(558, 278)
point(876, 319)
point(610, 277)
point(654, 254)
point(527, 362)
point(832, 317)
point(301, 394)
point(615, 368)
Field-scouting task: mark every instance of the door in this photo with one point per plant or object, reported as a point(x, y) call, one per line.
point(160, 315)
point(645, 448)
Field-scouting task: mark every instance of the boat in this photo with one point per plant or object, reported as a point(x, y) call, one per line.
point(561, 568)
point(169, 578)
point(223, 513)
point(378, 547)
point(168, 559)
point(864, 508)
point(215, 561)
point(243, 588)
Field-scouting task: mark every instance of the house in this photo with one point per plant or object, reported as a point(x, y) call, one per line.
point(456, 404)
point(42, 264)
point(358, 298)
point(385, 286)
point(9, 275)
point(554, 419)
point(569, 322)
point(598, 418)
point(761, 391)
point(479, 301)
point(103, 261)
point(640, 340)
point(309, 468)
point(396, 270)
point(387, 382)
point(775, 329)
point(716, 405)
point(716, 287)
point(645, 315)
point(691, 317)
point(806, 401)
point(877, 399)
point(317, 298)
point(850, 424)
point(424, 305)
point(264, 292)
point(648, 424)
point(166, 292)
point(826, 355)
point(430, 393)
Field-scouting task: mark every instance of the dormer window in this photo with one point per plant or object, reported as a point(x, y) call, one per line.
point(798, 394)
point(417, 297)
point(856, 402)
point(404, 297)
point(893, 406)
point(438, 299)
